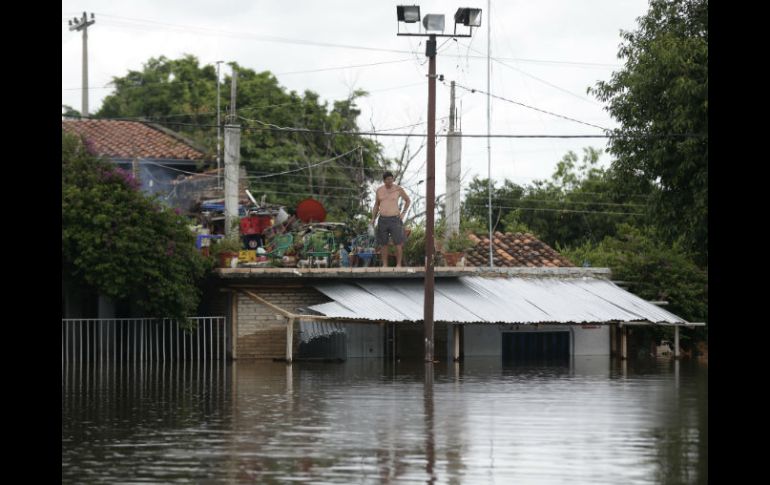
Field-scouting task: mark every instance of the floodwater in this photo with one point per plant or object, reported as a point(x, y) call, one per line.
point(590, 421)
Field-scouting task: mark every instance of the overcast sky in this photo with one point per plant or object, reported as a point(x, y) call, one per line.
point(548, 52)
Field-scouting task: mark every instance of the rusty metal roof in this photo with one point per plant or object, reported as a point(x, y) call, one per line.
point(475, 299)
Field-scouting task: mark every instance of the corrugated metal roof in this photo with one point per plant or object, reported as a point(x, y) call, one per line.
point(474, 299)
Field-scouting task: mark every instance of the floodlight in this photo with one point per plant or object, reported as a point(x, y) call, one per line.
point(408, 14)
point(433, 23)
point(470, 17)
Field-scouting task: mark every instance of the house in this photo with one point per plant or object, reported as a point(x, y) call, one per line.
point(538, 306)
point(155, 155)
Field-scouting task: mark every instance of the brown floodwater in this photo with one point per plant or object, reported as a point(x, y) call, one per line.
point(588, 420)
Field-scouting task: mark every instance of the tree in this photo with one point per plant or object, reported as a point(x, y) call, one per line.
point(182, 95)
point(68, 111)
point(122, 243)
point(660, 98)
point(505, 201)
point(581, 202)
point(655, 269)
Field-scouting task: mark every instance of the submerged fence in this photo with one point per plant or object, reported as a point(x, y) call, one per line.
point(120, 340)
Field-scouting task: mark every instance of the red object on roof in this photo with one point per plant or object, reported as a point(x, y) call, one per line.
point(310, 210)
point(254, 224)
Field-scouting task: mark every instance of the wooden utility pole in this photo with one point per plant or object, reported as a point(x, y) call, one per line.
point(430, 199)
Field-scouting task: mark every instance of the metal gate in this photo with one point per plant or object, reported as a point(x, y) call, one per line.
point(119, 340)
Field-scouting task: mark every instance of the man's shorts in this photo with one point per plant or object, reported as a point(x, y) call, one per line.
point(391, 226)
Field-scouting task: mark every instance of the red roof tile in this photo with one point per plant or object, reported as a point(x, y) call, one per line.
point(512, 250)
point(131, 139)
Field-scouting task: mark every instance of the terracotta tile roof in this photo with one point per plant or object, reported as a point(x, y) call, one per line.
point(513, 249)
point(130, 139)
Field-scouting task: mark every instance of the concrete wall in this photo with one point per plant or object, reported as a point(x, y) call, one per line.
point(591, 339)
point(486, 340)
point(261, 331)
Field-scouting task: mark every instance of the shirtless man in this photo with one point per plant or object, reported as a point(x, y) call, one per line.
point(391, 223)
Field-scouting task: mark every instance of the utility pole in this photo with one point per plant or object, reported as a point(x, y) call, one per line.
point(469, 17)
point(82, 24)
point(489, 138)
point(453, 149)
point(232, 163)
point(219, 135)
point(430, 199)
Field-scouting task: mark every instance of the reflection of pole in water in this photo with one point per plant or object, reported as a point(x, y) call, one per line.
point(676, 373)
point(289, 381)
point(430, 446)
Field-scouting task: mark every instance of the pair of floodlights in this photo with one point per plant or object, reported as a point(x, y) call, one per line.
point(434, 23)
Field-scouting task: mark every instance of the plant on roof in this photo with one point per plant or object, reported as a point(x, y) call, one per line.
point(459, 242)
point(226, 245)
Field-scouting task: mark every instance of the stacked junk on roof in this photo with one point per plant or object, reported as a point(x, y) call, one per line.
point(272, 235)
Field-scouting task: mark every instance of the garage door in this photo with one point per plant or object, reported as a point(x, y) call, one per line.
point(523, 346)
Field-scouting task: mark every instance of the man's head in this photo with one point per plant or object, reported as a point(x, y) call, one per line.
point(387, 177)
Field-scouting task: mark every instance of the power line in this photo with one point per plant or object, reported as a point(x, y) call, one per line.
point(242, 35)
point(210, 31)
point(547, 201)
point(462, 135)
point(309, 166)
point(473, 90)
point(110, 85)
point(443, 135)
point(342, 67)
point(484, 206)
point(583, 98)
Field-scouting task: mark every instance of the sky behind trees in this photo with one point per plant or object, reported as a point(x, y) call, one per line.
point(546, 55)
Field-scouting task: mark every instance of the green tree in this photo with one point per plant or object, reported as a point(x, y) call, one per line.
point(69, 112)
point(182, 95)
point(581, 202)
point(660, 99)
point(505, 201)
point(121, 243)
point(655, 269)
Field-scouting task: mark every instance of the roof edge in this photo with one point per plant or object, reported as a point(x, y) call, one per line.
point(405, 272)
point(178, 136)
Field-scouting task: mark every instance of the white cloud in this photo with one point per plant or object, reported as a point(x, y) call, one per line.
point(549, 30)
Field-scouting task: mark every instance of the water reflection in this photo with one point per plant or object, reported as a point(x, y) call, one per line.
point(587, 420)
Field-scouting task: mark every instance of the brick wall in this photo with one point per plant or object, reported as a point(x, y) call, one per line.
point(261, 331)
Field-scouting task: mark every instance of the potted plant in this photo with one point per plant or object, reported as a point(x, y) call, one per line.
point(226, 251)
point(289, 258)
point(455, 247)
